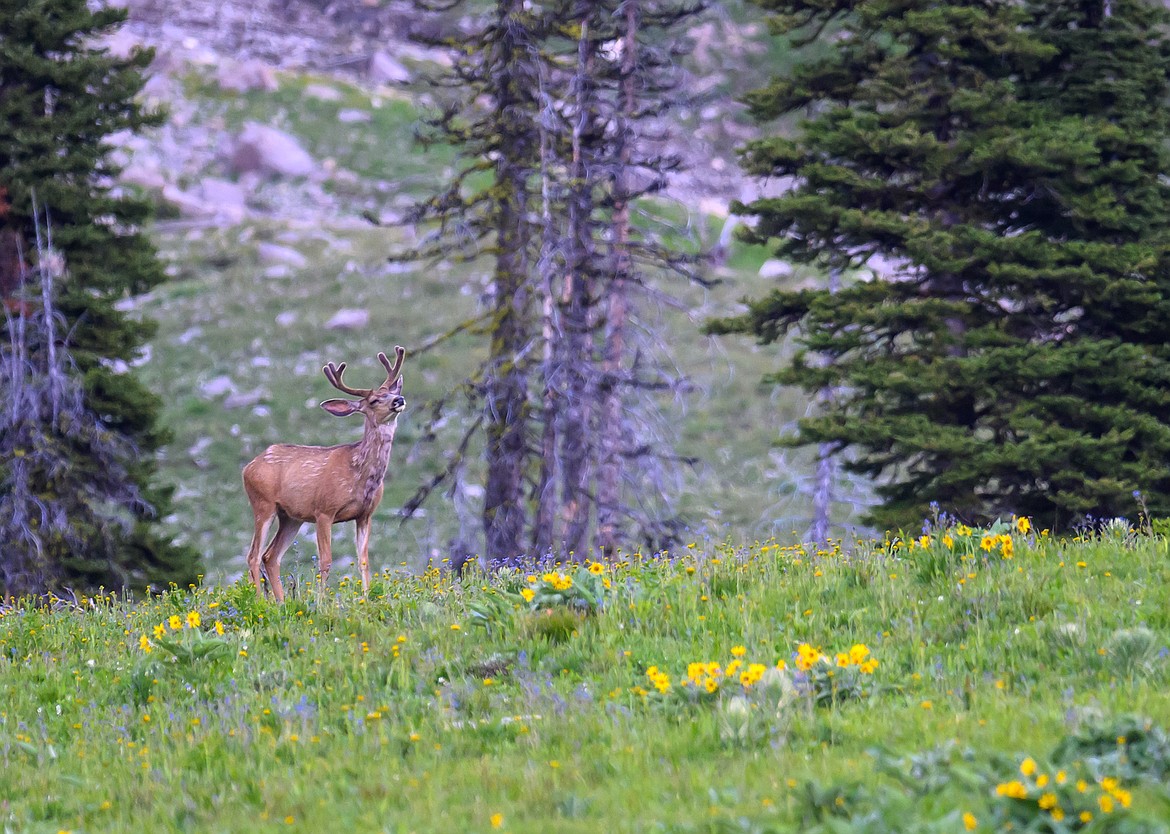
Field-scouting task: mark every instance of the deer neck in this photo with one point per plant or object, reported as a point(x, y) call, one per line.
point(371, 456)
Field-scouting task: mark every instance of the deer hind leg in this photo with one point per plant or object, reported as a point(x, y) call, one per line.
point(324, 549)
point(362, 538)
point(264, 515)
point(285, 534)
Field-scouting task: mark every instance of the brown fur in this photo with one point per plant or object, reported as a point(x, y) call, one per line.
point(325, 484)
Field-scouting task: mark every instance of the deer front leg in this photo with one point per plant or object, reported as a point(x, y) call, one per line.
point(324, 549)
point(263, 520)
point(363, 551)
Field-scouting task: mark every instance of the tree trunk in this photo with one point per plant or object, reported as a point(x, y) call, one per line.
point(506, 378)
point(609, 429)
point(545, 522)
point(576, 303)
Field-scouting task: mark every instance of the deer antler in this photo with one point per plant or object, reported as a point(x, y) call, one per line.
point(392, 371)
point(333, 374)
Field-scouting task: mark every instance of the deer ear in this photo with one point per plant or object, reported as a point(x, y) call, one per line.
point(396, 388)
point(340, 408)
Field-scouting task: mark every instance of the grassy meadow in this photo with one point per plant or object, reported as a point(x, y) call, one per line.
point(967, 680)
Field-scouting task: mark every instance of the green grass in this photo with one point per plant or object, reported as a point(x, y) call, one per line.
point(434, 705)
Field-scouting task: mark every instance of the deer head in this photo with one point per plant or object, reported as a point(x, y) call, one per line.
point(379, 405)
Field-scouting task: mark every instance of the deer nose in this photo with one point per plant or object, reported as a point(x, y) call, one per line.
point(398, 403)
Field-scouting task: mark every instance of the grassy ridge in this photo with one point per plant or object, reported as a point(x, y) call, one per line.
point(436, 706)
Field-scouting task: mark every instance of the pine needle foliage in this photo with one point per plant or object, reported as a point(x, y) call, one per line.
point(1006, 162)
point(61, 98)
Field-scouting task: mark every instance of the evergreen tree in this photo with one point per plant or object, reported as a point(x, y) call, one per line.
point(60, 98)
point(1008, 160)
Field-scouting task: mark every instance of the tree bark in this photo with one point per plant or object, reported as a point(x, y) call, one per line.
point(506, 406)
point(609, 430)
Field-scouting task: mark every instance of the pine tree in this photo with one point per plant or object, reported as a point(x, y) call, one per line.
point(60, 98)
point(1007, 159)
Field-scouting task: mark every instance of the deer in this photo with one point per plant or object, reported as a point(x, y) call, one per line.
point(325, 485)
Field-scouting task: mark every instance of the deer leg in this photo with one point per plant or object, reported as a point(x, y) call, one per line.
point(324, 548)
point(285, 534)
point(363, 550)
point(263, 520)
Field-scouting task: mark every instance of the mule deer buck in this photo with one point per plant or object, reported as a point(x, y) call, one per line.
point(325, 484)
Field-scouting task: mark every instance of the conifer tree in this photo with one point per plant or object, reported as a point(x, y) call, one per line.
point(60, 98)
point(1008, 160)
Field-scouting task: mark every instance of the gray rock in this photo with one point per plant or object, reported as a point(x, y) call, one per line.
point(322, 92)
point(350, 116)
point(244, 399)
point(189, 335)
point(217, 386)
point(286, 319)
point(226, 199)
point(349, 320)
point(267, 150)
point(271, 254)
point(384, 69)
point(775, 269)
point(245, 77)
point(144, 176)
point(188, 204)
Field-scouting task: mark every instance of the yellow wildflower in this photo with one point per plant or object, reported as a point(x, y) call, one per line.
point(1013, 790)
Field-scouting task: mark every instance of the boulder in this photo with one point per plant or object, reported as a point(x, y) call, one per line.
point(251, 75)
point(268, 150)
point(322, 92)
point(271, 254)
point(144, 176)
point(217, 386)
point(244, 399)
point(227, 199)
point(188, 204)
point(384, 69)
point(348, 320)
point(350, 116)
point(774, 268)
